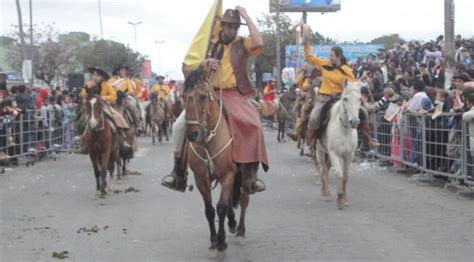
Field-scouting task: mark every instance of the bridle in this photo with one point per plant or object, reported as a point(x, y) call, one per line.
point(208, 159)
point(346, 125)
point(202, 123)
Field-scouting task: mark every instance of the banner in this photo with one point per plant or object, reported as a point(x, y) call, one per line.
point(305, 5)
point(147, 68)
point(294, 54)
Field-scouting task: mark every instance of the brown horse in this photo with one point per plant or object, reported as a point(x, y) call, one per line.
point(209, 155)
point(156, 118)
point(130, 135)
point(102, 144)
point(283, 112)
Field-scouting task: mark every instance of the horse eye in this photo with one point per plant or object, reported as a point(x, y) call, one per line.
point(203, 97)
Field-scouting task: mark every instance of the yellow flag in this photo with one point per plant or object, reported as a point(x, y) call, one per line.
point(208, 30)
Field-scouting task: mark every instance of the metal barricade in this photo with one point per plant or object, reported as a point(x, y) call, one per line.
point(35, 135)
point(437, 148)
point(468, 156)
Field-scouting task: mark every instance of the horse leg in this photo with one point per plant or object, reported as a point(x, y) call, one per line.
point(302, 145)
point(160, 133)
point(166, 131)
point(97, 175)
point(153, 133)
point(244, 203)
point(283, 127)
point(104, 162)
point(204, 189)
point(323, 171)
point(227, 184)
point(231, 217)
point(111, 169)
point(337, 163)
point(347, 164)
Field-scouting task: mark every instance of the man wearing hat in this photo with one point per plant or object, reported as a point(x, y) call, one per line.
point(163, 91)
point(120, 80)
point(99, 85)
point(303, 81)
point(228, 56)
point(160, 88)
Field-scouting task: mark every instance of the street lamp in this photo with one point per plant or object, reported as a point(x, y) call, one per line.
point(135, 31)
point(100, 21)
point(159, 54)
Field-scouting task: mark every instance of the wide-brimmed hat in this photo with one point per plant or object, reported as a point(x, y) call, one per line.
point(99, 71)
point(231, 16)
point(160, 77)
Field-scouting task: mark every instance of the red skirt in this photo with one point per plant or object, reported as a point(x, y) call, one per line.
point(245, 127)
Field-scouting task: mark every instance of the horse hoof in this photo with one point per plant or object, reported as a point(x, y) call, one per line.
point(347, 203)
point(215, 254)
point(232, 230)
point(240, 241)
point(340, 205)
point(102, 196)
point(327, 198)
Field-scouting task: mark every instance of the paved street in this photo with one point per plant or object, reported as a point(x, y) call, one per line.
point(52, 207)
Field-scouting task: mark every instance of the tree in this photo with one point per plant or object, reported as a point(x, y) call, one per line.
point(107, 54)
point(388, 40)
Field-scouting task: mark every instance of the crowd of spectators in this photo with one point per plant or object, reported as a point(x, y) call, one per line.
point(412, 76)
point(33, 120)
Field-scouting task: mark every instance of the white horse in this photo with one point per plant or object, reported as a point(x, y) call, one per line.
point(337, 144)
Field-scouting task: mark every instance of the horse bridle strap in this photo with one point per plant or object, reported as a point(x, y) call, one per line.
point(345, 112)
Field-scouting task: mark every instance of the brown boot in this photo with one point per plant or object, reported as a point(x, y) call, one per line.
point(82, 150)
point(177, 180)
point(250, 182)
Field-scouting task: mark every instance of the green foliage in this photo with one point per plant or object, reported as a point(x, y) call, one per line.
point(388, 40)
point(73, 53)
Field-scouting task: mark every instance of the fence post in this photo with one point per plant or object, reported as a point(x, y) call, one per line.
point(21, 135)
point(401, 136)
point(464, 148)
point(423, 142)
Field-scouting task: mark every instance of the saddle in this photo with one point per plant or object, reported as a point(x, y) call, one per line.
point(325, 116)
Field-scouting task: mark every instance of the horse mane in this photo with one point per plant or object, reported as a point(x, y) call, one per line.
point(194, 78)
point(324, 117)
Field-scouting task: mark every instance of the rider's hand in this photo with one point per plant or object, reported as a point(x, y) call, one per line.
point(242, 12)
point(209, 64)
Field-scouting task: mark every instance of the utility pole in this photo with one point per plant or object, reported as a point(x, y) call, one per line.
point(449, 51)
point(278, 51)
point(32, 46)
point(20, 27)
point(135, 32)
point(159, 55)
point(100, 21)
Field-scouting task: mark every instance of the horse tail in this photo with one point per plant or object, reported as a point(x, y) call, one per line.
point(236, 191)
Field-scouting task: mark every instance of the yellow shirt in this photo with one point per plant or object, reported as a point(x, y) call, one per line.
point(225, 76)
point(162, 90)
point(137, 86)
point(303, 84)
point(106, 91)
point(332, 81)
point(122, 84)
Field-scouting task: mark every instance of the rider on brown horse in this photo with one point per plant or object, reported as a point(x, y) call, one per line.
point(229, 58)
point(98, 85)
point(163, 90)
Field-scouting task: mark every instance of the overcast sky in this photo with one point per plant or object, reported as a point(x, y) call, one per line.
point(176, 21)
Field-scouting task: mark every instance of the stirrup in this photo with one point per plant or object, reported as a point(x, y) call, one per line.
point(174, 185)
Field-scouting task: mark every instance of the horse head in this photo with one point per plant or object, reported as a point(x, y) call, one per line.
point(350, 104)
point(154, 98)
point(121, 97)
point(198, 97)
point(95, 109)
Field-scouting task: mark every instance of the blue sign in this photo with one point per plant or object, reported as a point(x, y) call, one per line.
point(305, 5)
point(294, 54)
